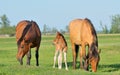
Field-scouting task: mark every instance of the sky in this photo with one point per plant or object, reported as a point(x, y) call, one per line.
point(58, 13)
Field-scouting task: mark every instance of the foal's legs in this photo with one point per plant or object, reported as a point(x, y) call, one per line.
point(65, 54)
point(55, 57)
point(28, 57)
point(60, 60)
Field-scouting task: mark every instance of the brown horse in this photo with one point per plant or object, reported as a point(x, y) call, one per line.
point(61, 46)
point(82, 33)
point(28, 35)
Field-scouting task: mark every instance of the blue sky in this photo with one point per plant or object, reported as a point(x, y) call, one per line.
point(58, 13)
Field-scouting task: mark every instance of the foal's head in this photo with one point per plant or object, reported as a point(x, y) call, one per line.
point(57, 38)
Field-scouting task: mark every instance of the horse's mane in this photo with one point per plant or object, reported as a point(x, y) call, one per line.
point(95, 41)
point(25, 31)
point(92, 52)
point(93, 48)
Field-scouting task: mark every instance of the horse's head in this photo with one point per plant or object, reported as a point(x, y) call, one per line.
point(93, 59)
point(23, 48)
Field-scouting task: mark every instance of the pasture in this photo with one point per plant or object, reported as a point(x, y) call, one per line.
point(109, 63)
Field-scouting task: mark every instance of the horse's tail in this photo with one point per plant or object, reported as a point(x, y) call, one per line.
point(76, 50)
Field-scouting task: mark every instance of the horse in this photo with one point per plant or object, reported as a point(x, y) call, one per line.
point(83, 34)
point(60, 47)
point(28, 35)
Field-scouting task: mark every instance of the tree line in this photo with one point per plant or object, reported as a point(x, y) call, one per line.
point(115, 25)
point(6, 28)
point(47, 30)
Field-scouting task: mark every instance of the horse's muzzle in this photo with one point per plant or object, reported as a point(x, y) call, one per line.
point(20, 60)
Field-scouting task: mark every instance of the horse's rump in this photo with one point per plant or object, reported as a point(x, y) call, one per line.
point(27, 30)
point(20, 29)
point(82, 31)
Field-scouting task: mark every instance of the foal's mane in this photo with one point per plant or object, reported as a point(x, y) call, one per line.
point(62, 37)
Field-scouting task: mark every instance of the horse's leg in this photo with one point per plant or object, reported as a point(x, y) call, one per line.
point(86, 64)
point(28, 57)
point(65, 54)
point(56, 54)
point(82, 55)
point(60, 60)
point(37, 55)
point(74, 56)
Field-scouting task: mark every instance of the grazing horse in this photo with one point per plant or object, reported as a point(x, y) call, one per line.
point(28, 35)
point(82, 33)
point(61, 46)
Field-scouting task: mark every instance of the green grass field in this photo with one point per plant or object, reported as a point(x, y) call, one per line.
point(109, 63)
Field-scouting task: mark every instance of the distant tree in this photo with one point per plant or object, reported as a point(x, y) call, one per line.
point(115, 24)
point(45, 29)
point(8, 30)
point(4, 21)
point(5, 27)
point(67, 28)
point(54, 30)
point(104, 28)
point(62, 31)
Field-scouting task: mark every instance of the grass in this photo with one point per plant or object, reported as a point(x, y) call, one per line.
point(109, 63)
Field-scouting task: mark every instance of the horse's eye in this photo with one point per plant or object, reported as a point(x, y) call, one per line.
point(22, 46)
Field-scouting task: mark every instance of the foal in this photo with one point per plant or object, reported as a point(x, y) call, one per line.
point(61, 46)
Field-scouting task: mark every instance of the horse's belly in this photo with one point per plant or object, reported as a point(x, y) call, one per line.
point(76, 41)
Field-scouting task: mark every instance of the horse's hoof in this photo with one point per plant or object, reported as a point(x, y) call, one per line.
point(59, 67)
point(53, 66)
point(67, 69)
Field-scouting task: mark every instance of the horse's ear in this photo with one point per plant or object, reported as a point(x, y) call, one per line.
point(24, 39)
point(99, 51)
point(58, 32)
